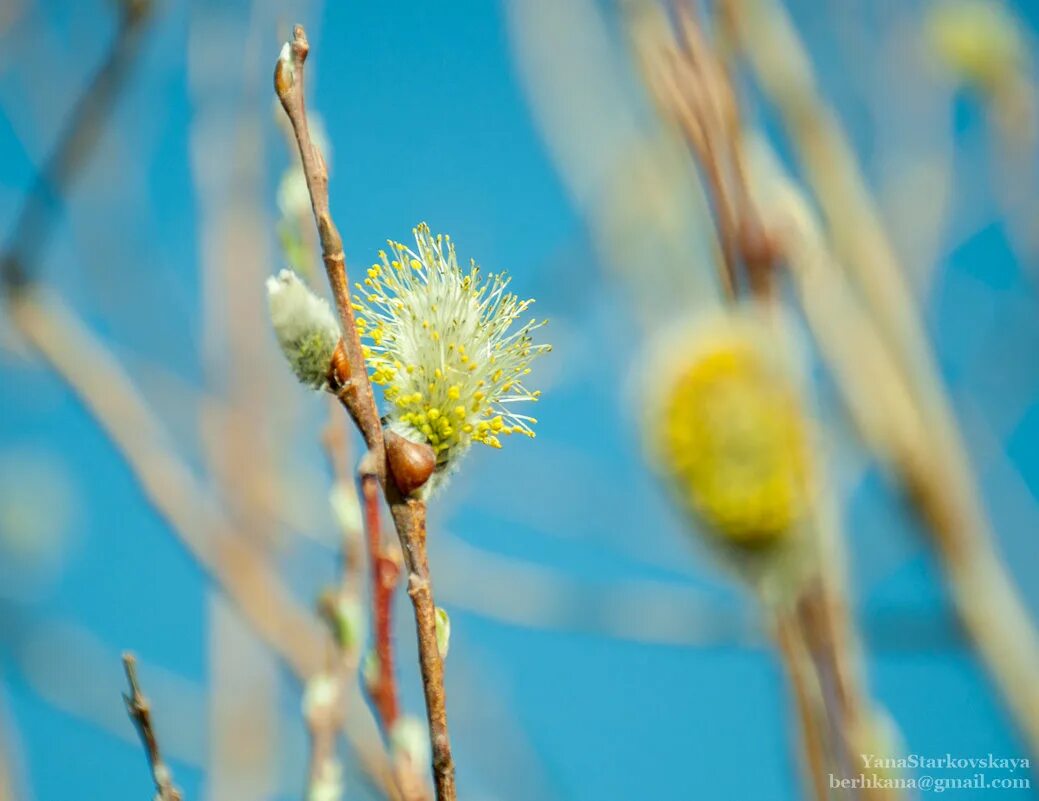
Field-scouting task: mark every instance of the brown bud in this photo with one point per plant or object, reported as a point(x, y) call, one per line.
point(758, 246)
point(283, 78)
point(411, 463)
point(338, 368)
point(761, 253)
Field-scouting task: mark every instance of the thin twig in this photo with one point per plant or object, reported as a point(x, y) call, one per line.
point(78, 138)
point(410, 517)
point(691, 86)
point(238, 567)
point(139, 710)
point(8, 778)
point(94, 375)
point(356, 393)
point(806, 696)
point(409, 514)
point(385, 571)
point(326, 715)
point(681, 100)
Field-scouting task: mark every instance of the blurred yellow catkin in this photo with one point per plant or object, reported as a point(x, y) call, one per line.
point(731, 433)
point(979, 41)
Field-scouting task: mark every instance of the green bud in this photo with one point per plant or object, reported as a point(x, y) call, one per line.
point(443, 632)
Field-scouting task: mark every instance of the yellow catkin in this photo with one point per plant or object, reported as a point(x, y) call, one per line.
point(733, 438)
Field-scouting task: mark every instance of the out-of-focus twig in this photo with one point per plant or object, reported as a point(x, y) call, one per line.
point(139, 710)
point(807, 701)
point(326, 707)
point(238, 567)
point(7, 766)
point(94, 375)
point(829, 636)
point(928, 454)
point(97, 378)
point(355, 393)
point(690, 85)
point(77, 139)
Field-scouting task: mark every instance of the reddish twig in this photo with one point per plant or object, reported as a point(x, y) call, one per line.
point(355, 393)
point(385, 571)
point(139, 710)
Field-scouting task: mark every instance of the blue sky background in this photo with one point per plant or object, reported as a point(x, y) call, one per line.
point(428, 120)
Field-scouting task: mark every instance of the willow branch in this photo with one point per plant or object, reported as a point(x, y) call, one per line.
point(139, 710)
point(410, 517)
point(8, 777)
point(684, 103)
point(356, 395)
point(326, 706)
point(697, 90)
point(109, 394)
point(385, 571)
point(691, 87)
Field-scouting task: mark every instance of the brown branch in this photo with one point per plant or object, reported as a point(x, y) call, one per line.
point(385, 572)
point(409, 513)
point(356, 394)
point(826, 627)
point(139, 710)
point(691, 86)
point(684, 104)
point(410, 518)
